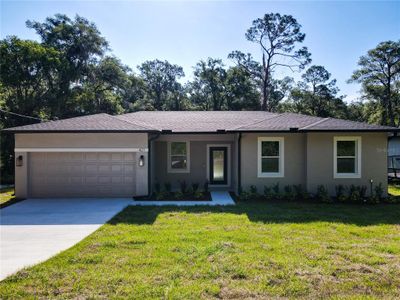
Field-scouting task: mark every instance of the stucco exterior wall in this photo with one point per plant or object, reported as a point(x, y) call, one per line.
point(320, 160)
point(79, 140)
point(294, 161)
point(198, 160)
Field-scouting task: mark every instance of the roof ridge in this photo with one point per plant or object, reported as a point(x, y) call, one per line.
point(315, 123)
point(253, 123)
point(137, 123)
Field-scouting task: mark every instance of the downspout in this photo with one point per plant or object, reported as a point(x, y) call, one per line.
point(149, 161)
point(239, 162)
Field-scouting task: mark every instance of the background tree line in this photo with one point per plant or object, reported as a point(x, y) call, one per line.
point(71, 72)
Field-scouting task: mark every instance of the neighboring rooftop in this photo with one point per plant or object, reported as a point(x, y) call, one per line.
point(200, 122)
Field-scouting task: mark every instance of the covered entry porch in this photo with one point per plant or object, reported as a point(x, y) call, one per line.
point(198, 159)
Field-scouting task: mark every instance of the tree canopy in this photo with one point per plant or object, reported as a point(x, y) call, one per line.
point(71, 72)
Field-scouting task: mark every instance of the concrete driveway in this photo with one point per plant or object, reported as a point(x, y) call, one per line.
point(33, 230)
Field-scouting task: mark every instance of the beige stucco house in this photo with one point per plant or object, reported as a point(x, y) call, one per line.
point(125, 155)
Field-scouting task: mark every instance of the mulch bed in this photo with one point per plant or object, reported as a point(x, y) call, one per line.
point(171, 197)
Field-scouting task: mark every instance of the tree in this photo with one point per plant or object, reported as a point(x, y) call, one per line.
point(240, 90)
point(161, 80)
point(208, 87)
point(81, 46)
point(27, 76)
point(379, 74)
point(103, 90)
point(316, 95)
point(277, 35)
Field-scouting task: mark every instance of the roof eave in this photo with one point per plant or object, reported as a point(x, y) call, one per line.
point(79, 131)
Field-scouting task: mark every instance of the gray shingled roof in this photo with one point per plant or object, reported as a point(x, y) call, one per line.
point(196, 121)
point(98, 122)
point(201, 121)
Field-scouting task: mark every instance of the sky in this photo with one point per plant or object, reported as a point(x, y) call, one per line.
point(183, 32)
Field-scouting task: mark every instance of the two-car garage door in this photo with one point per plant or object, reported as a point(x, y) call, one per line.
point(82, 174)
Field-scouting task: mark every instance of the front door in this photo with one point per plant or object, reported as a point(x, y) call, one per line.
point(218, 165)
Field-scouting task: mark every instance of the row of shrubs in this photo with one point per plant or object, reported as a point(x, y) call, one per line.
point(350, 194)
point(192, 191)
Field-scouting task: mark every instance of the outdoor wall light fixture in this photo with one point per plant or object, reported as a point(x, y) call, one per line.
point(141, 161)
point(19, 162)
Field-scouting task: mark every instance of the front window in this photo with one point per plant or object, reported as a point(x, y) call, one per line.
point(270, 157)
point(347, 157)
point(178, 157)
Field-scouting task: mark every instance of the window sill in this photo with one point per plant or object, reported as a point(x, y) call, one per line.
point(270, 175)
point(346, 176)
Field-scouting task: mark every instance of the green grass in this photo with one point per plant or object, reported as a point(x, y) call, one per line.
point(252, 250)
point(394, 189)
point(6, 195)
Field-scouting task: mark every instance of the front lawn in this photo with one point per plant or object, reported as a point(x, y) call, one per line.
point(252, 250)
point(394, 189)
point(6, 195)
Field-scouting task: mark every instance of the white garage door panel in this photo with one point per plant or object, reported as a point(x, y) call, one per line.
point(76, 174)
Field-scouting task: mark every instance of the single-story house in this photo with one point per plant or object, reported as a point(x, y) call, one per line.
point(125, 155)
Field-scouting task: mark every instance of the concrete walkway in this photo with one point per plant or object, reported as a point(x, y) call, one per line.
point(33, 230)
point(217, 198)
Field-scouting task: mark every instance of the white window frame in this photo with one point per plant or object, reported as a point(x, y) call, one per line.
point(281, 157)
point(187, 169)
point(356, 139)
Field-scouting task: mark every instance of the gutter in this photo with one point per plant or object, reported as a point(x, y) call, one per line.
point(149, 161)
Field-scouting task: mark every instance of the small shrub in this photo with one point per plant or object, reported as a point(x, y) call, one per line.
point(157, 187)
point(253, 190)
point(197, 194)
point(179, 195)
point(183, 187)
point(379, 191)
point(300, 192)
point(189, 191)
point(245, 196)
point(289, 194)
point(340, 193)
point(205, 186)
point(354, 194)
point(322, 194)
point(195, 187)
point(267, 193)
point(275, 188)
point(167, 187)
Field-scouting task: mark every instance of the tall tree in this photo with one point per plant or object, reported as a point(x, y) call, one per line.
point(241, 92)
point(162, 86)
point(379, 74)
point(278, 37)
point(209, 82)
point(81, 45)
point(317, 94)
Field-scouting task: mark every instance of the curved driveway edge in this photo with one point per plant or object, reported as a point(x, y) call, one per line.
point(36, 229)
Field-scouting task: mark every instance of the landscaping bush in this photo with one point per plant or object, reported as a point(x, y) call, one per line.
point(195, 187)
point(179, 195)
point(322, 194)
point(300, 192)
point(183, 187)
point(340, 193)
point(267, 193)
point(157, 187)
point(289, 193)
point(167, 187)
point(357, 193)
point(206, 186)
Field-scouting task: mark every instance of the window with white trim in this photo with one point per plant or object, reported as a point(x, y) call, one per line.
point(270, 157)
point(347, 157)
point(178, 157)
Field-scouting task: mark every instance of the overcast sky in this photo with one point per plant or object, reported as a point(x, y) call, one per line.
point(337, 33)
